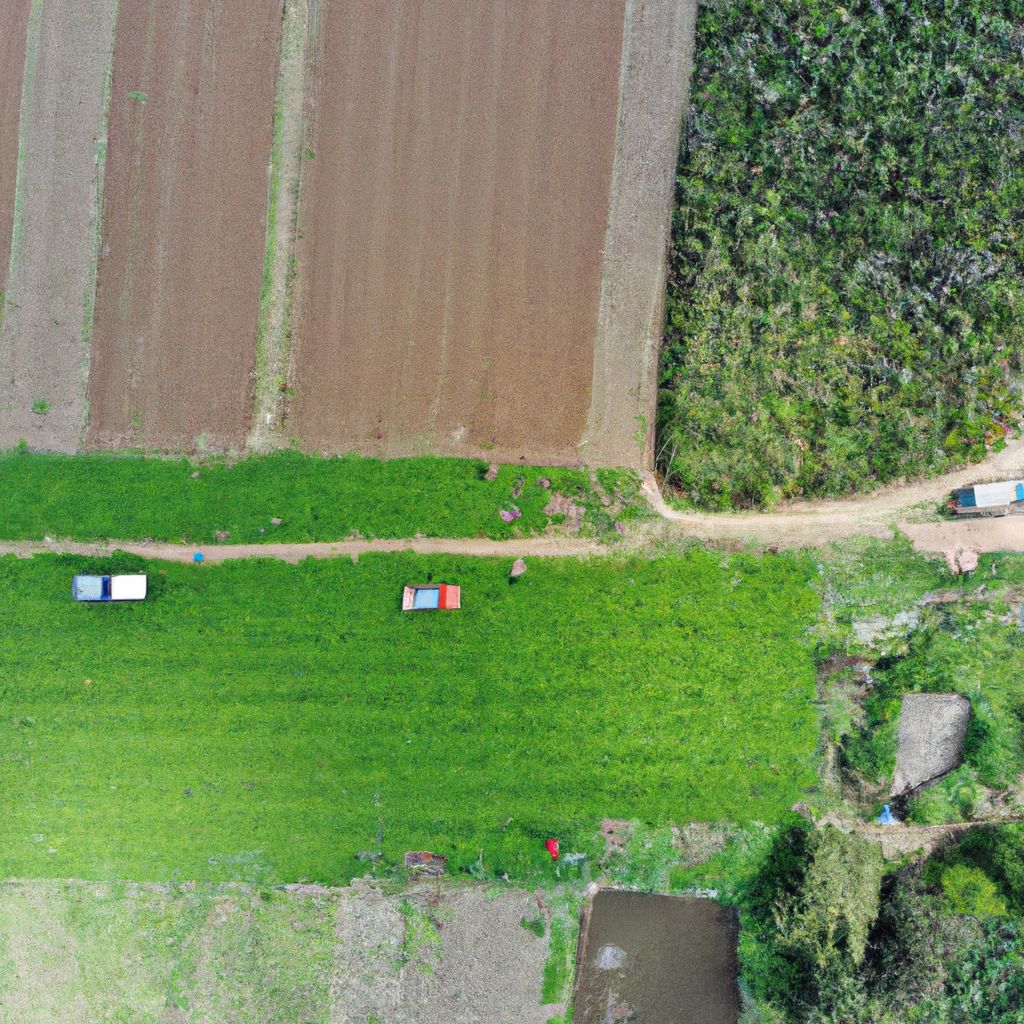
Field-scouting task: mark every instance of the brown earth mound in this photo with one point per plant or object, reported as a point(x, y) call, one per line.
point(453, 224)
point(191, 125)
point(12, 66)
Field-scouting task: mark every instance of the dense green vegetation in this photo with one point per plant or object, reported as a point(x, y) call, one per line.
point(263, 722)
point(129, 497)
point(832, 934)
point(969, 648)
point(845, 301)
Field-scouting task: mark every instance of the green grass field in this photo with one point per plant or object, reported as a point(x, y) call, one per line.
point(130, 497)
point(263, 722)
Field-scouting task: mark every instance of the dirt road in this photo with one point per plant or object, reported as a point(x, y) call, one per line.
point(191, 124)
point(531, 546)
point(902, 505)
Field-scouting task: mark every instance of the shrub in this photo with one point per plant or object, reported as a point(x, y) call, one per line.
point(970, 891)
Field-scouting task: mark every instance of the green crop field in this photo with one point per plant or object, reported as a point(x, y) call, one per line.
point(130, 497)
point(263, 722)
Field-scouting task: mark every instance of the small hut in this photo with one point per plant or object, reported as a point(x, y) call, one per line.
point(997, 499)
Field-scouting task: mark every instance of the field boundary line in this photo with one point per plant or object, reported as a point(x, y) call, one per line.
point(32, 33)
point(274, 327)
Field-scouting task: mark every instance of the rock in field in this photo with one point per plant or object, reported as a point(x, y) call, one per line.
point(931, 738)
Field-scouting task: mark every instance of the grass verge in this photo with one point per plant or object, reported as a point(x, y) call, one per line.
point(130, 497)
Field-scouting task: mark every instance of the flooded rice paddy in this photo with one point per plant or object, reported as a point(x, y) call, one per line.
point(647, 959)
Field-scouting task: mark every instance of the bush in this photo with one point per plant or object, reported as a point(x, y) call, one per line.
point(996, 851)
point(807, 921)
point(970, 891)
point(844, 301)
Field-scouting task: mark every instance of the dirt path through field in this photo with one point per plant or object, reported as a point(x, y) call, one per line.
point(928, 538)
point(44, 351)
point(12, 67)
point(903, 505)
point(548, 547)
point(903, 840)
point(273, 336)
point(178, 294)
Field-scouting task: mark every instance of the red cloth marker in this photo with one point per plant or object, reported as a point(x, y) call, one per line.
point(552, 847)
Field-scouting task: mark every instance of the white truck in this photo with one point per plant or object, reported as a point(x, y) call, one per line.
point(109, 588)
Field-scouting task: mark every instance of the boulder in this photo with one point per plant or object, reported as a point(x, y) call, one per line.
point(930, 740)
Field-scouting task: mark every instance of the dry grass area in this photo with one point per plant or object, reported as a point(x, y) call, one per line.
point(74, 951)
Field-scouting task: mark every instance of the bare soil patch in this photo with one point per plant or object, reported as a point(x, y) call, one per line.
point(931, 738)
point(44, 352)
point(962, 539)
point(453, 221)
point(12, 67)
point(457, 956)
point(191, 126)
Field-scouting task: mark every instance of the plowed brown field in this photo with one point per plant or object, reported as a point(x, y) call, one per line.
point(453, 224)
point(44, 351)
point(12, 66)
point(191, 124)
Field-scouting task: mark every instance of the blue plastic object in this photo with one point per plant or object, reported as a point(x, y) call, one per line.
point(197, 557)
point(426, 598)
point(886, 818)
point(90, 588)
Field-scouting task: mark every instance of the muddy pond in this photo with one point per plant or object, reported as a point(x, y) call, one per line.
point(656, 960)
